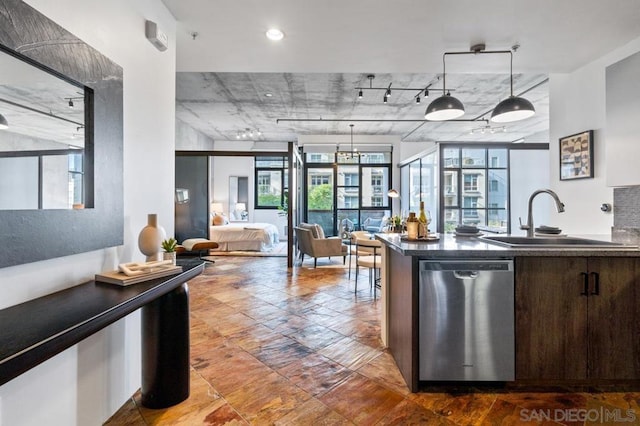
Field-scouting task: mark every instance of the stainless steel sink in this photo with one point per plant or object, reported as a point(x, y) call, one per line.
point(517, 241)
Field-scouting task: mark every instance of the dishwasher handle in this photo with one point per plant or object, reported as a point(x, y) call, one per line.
point(466, 275)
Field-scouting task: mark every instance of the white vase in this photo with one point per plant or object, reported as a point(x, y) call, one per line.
point(169, 255)
point(150, 238)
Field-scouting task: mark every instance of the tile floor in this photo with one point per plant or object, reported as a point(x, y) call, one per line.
point(270, 345)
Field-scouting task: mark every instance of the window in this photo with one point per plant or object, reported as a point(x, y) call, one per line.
point(352, 187)
point(470, 182)
point(475, 184)
point(271, 182)
point(76, 177)
point(317, 180)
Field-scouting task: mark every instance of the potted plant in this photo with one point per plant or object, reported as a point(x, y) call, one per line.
point(169, 246)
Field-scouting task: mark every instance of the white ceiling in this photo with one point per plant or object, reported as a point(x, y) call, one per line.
point(331, 45)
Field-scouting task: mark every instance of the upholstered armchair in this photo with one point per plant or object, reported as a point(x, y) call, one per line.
point(312, 242)
point(372, 224)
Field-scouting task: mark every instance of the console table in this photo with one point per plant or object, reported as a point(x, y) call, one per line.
point(34, 331)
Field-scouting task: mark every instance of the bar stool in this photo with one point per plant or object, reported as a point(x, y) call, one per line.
point(371, 261)
point(362, 250)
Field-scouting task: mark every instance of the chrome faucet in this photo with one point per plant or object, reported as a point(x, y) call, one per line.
point(529, 225)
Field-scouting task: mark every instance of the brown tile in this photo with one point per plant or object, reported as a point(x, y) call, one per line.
point(231, 324)
point(233, 371)
point(383, 370)
point(315, 336)
point(350, 353)
point(361, 400)
point(128, 414)
point(253, 338)
point(409, 413)
point(506, 413)
point(463, 408)
point(281, 352)
point(315, 374)
point(224, 415)
point(313, 412)
point(202, 401)
point(267, 399)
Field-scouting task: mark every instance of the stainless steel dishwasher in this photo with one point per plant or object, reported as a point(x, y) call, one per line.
point(466, 324)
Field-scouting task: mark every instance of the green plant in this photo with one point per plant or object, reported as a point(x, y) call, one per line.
point(169, 245)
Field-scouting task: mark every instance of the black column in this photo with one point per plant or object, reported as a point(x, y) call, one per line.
point(165, 349)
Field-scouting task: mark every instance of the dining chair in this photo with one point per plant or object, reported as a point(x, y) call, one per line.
point(371, 259)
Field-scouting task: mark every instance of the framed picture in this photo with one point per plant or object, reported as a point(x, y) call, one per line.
point(576, 156)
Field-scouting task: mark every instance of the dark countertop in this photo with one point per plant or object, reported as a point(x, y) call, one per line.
point(474, 247)
point(36, 330)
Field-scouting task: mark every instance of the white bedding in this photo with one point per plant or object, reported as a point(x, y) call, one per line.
point(244, 236)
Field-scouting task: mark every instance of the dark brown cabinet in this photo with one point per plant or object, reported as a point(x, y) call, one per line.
point(577, 318)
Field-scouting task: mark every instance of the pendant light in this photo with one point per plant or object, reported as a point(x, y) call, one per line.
point(446, 107)
point(513, 108)
point(3, 123)
point(352, 150)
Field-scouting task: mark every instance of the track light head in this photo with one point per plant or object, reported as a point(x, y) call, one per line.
point(417, 99)
point(360, 94)
point(384, 100)
point(426, 93)
point(3, 122)
point(71, 103)
point(388, 92)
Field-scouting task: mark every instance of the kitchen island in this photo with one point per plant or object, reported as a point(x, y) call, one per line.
point(576, 310)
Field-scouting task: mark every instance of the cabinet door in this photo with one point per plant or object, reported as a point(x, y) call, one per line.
point(614, 318)
point(551, 315)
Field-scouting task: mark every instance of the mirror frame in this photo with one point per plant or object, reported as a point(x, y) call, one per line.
point(32, 235)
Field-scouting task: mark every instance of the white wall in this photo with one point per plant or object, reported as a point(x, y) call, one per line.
point(222, 168)
point(577, 103)
point(528, 171)
point(87, 383)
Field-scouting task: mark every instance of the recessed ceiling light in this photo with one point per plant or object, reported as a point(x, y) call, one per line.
point(268, 95)
point(275, 34)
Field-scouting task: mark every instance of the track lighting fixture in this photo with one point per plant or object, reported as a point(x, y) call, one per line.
point(513, 108)
point(248, 134)
point(3, 122)
point(75, 98)
point(487, 129)
point(387, 90)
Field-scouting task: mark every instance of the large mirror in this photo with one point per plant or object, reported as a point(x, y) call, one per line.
point(42, 138)
point(93, 83)
point(238, 198)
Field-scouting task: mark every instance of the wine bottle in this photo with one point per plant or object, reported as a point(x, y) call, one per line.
point(422, 218)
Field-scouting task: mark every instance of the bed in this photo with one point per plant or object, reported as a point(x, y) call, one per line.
point(244, 236)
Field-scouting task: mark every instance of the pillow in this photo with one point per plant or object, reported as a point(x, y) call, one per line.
point(316, 230)
point(219, 219)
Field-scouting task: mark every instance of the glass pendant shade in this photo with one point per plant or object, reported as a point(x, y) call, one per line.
point(511, 109)
point(445, 107)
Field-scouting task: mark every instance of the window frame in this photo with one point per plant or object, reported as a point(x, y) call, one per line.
point(284, 186)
